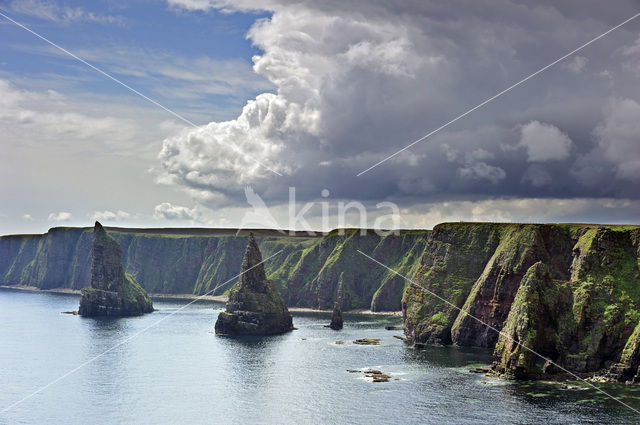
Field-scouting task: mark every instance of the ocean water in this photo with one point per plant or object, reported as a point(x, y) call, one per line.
point(179, 372)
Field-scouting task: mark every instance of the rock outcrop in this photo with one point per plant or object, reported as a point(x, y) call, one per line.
point(254, 307)
point(309, 272)
point(111, 291)
point(336, 318)
point(530, 324)
point(570, 293)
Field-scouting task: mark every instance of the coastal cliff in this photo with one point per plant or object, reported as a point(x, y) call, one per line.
point(308, 272)
point(568, 292)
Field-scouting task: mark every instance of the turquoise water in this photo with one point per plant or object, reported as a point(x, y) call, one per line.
point(179, 372)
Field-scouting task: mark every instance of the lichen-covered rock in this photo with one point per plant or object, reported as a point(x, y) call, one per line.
point(628, 367)
point(453, 259)
point(111, 291)
point(254, 307)
point(336, 318)
point(529, 328)
point(569, 292)
point(492, 294)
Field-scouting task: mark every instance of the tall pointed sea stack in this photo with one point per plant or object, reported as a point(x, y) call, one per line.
point(254, 307)
point(112, 292)
point(336, 317)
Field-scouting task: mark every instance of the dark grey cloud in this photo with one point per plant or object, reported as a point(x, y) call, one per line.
point(356, 81)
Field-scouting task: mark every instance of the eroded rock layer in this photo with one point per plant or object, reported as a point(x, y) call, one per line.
point(570, 293)
point(254, 307)
point(111, 291)
point(309, 272)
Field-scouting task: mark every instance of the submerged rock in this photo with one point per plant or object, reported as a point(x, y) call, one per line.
point(376, 375)
point(480, 370)
point(367, 341)
point(254, 307)
point(112, 292)
point(336, 318)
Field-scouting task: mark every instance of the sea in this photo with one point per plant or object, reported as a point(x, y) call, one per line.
point(168, 367)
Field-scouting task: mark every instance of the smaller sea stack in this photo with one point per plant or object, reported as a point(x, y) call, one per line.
point(111, 292)
point(255, 307)
point(336, 317)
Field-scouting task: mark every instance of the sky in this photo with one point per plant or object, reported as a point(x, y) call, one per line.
point(241, 105)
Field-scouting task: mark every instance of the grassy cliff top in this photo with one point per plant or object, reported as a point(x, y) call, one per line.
point(182, 232)
point(179, 232)
point(570, 226)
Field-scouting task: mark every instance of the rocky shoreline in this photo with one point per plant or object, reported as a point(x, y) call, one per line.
point(569, 292)
point(214, 298)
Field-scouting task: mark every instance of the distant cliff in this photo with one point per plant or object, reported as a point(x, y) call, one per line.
point(569, 292)
point(308, 272)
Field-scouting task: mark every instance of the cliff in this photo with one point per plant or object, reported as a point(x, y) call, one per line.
point(254, 307)
point(568, 292)
point(111, 291)
point(308, 272)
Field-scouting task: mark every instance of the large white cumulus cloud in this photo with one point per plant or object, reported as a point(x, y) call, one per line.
point(356, 81)
point(313, 58)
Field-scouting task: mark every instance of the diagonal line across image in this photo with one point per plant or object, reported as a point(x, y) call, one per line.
point(450, 304)
point(480, 105)
point(124, 341)
point(131, 89)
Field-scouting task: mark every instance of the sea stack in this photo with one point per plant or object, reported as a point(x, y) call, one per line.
point(336, 317)
point(255, 307)
point(111, 292)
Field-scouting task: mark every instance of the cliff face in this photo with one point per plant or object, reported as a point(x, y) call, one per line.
point(111, 292)
point(254, 307)
point(568, 292)
point(315, 275)
point(308, 272)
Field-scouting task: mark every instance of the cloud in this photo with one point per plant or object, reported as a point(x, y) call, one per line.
point(544, 142)
point(168, 211)
point(356, 82)
point(110, 215)
point(27, 217)
point(576, 64)
point(186, 83)
point(51, 11)
point(48, 116)
point(69, 151)
point(20, 107)
point(633, 49)
point(537, 176)
point(474, 165)
point(59, 216)
point(618, 137)
point(533, 210)
point(425, 215)
point(191, 4)
point(482, 170)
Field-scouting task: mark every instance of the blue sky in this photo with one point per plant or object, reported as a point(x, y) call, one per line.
point(317, 92)
point(120, 37)
point(194, 63)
